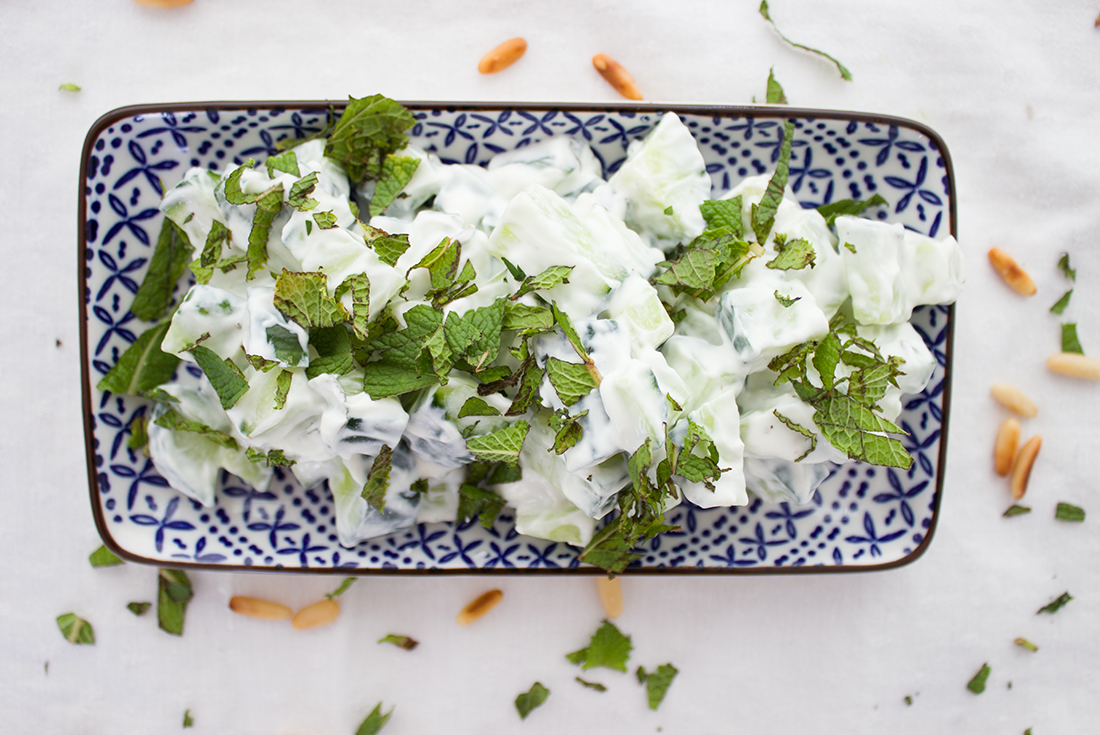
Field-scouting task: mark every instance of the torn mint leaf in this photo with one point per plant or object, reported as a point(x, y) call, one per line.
point(397, 171)
point(143, 366)
point(844, 73)
point(287, 163)
point(568, 430)
point(532, 698)
point(188, 720)
point(474, 501)
point(724, 214)
point(173, 593)
point(375, 721)
point(139, 608)
point(344, 587)
point(527, 319)
point(174, 421)
point(1067, 512)
point(299, 193)
point(170, 258)
point(552, 276)
point(608, 647)
point(325, 220)
point(378, 479)
point(530, 380)
point(775, 94)
point(1067, 271)
point(1056, 605)
point(572, 381)
point(401, 641)
point(303, 298)
point(977, 684)
point(274, 458)
point(657, 683)
point(1061, 304)
point(384, 380)
point(562, 320)
point(851, 207)
point(792, 255)
point(103, 557)
point(282, 388)
point(267, 209)
point(475, 406)
point(286, 345)
point(1070, 343)
point(139, 436)
point(786, 301)
point(368, 130)
point(591, 684)
point(502, 445)
point(1026, 644)
point(388, 247)
point(76, 630)
point(1016, 510)
point(69, 87)
point(763, 214)
point(224, 376)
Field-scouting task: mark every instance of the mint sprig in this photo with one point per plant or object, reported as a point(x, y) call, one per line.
point(369, 129)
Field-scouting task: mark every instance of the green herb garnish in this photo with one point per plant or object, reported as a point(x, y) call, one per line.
point(375, 721)
point(977, 684)
point(608, 647)
point(851, 207)
point(657, 682)
point(401, 641)
point(1063, 265)
point(102, 557)
point(344, 587)
point(224, 376)
point(502, 445)
point(776, 96)
point(844, 73)
point(304, 299)
point(69, 87)
point(532, 698)
point(143, 366)
point(1025, 643)
point(139, 608)
point(1061, 304)
point(173, 593)
point(591, 684)
point(397, 171)
point(171, 255)
point(1057, 604)
point(76, 630)
point(378, 479)
point(1016, 510)
point(188, 720)
point(1070, 343)
point(1067, 512)
point(368, 130)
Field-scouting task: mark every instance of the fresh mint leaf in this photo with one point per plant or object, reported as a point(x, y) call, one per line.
point(532, 698)
point(526, 319)
point(552, 276)
point(173, 593)
point(592, 684)
point(668, 210)
point(1070, 343)
point(1056, 605)
point(368, 130)
point(389, 248)
point(102, 557)
point(172, 420)
point(1016, 510)
point(282, 388)
point(515, 270)
point(1067, 271)
point(359, 287)
point(724, 214)
point(502, 445)
point(299, 193)
point(710, 261)
point(397, 171)
point(143, 366)
point(139, 437)
point(285, 162)
point(375, 721)
point(977, 684)
point(232, 187)
point(1067, 512)
point(76, 630)
point(474, 501)
point(844, 73)
point(568, 430)
point(1061, 304)
point(268, 207)
point(139, 608)
point(641, 674)
point(763, 214)
point(384, 380)
point(854, 429)
point(285, 342)
point(475, 406)
point(786, 301)
point(274, 458)
point(572, 381)
point(775, 95)
point(69, 87)
point(441, 264)
point(608, 647)
point(792, 255)
point(701, 467)
point(224, 376)
point(188, 720)
point(657, 683)
point(1026, 644)
point(325, 220)
point(303, 298)
point(401, 641)
point(344, 587)
point(530, 380)
point(170, 258)
point(378, 479)
point(563, 321)
point(851, 207)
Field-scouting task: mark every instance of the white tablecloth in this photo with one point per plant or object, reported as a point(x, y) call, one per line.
point(1014, 89)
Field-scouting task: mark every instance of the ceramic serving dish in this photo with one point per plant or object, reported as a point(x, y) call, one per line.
point(862, 517)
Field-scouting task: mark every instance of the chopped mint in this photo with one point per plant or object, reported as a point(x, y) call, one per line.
point(188, 720)
point(226, 377)
point(702, 467)
point(592, 684)
point(232, 186)
point(527, 319)
point(173, 593)
point(102, 557)
point(908, 701)
point(1067, 512)
point(571, 380)
point(515, 270)
point(69, 87)
point(285, 343)
point(170, 419)
point(299, 194)
point(475, 406)
point(1016, 510)
point(1070, 343)
point(303, 298)
point(344, 587)
point(1063, 265)
point(143, 366)
point(215, 243)
point(724, 214)
point(668, 210)
point(388, 247)
point(1057, 604)
point(531, 699)
point(786, 301)
point(608, 647)
point(552, 276)
point(287, 163)
point(282, 388)
point(274, 458)
point(844, 73)
point(358, 285)
point(474, 501)
point(977, 684)
point(170, 258)
point(792, 255)
point(710, 261)
point(325, 220)
point(378, 479)
point(763, 214)
point(1061, 304)
point(401, 641)
point(375, 721)
point(562, 320)
point(776, 96)
point(568, 430)
point(852, 207)
point(657, 683)
point(1026, 644)
point(530, 377)
point(139, 608)
point(397, 171)
point(139, 436)
point(502, 445)
point(641, 674)
point(384, 380)
point(76, 630)
point(369, 129)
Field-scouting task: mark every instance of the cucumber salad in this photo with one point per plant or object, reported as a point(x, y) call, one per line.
point(436, 342)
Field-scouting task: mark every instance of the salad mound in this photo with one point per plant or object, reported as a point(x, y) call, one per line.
point(436, 342)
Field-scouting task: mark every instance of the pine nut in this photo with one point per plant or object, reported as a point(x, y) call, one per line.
point(1014, 400)
point(479, 607)
point(611, 595)
point(1014, 275)
point(254, 607)
point(503, 56)
point(322, 612)
point(1004, 452)
point(1021, 470)
point(1074, 365)
point(616, 76)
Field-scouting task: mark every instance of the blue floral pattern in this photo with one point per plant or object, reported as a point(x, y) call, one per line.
point(861, 516)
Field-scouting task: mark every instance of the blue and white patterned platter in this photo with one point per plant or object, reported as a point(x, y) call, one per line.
point(861, 518)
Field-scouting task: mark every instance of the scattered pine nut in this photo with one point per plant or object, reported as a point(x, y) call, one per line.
point(611, 595)
point(1075, 365)
point(1004, 452)
point(254, 607)
point(162, 3)
point(1021, 470)
point(1014, 400)
point(1014, 275)
point(322, 612)
point(616, 76)
point(479, 607)
point(503, 56)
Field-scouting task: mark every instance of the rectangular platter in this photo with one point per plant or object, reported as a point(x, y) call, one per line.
point(862, 518)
